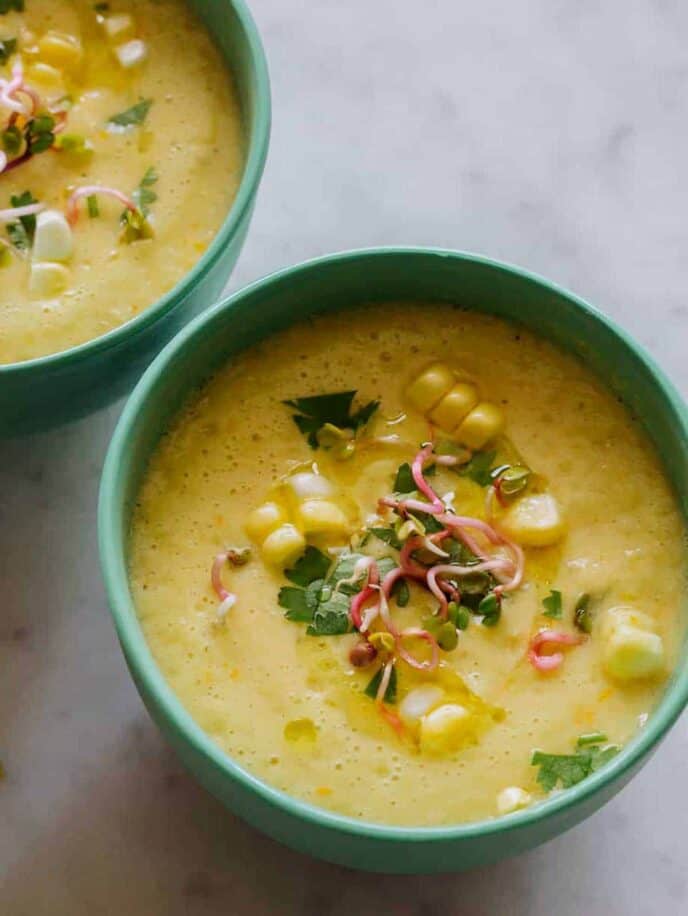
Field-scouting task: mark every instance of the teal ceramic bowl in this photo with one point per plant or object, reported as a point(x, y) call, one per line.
point(50, 390)
point(330, 284)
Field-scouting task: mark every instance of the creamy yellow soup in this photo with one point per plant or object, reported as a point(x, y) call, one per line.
point(580, 492)
point(138, 101)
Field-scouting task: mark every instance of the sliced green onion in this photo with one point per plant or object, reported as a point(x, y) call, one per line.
point(92, 204)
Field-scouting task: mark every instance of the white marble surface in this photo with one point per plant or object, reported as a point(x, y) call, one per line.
point(551, 133)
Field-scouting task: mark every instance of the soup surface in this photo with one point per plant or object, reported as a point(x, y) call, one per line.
point(120, 122)
point(485, 565)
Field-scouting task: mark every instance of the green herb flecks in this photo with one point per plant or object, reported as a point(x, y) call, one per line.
point(401, 592)
point(21, 233)
point(479, 468)
point(7, 6)
point(569, 769)
point(404, 482)
point(552, 605)
point(312, 565)
point(135, 224)
point(144, 195)
point(332, 410)
point(387, 536)
point(8, 47)
point(132, 117)
point(374, 685)
point(92, 205)
point(582, 615)
point(320, 597)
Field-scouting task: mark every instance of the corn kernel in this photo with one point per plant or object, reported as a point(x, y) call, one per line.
point(307, 485)
point(131, 53)
point(632, 651)
point(534, 521)
point(53, 238)
point(511, 799)
point(283, 546)
point(263, 521)
point(455, 406)
point(430, 387)
point(45, 76)
point(443, 729)
point(320, 516)
point(119, 27)
point(61, 50)
point(418, 702)
point(48, 280)
point(481, 425)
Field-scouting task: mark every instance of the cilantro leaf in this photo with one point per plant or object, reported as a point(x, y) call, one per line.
point(570, 769)
point(374, 685)
point(8, 46)
point(21, 233)
point(7, 5)
point(552, 605)
point(312, 565)
point(428, 521)
point(404, 482)
point(144, 195)
point(316, 411)
point(387, 536)
point(132, 117)
point(479, 468)
point(296, 604)
point(331, 617)
point(567, 769)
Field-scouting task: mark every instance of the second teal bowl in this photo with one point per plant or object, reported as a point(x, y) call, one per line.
point(326, 285)
point(45, 392)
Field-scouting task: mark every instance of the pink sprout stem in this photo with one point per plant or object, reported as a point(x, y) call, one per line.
point(545, 638)
point(89, 191)
point(421, 483)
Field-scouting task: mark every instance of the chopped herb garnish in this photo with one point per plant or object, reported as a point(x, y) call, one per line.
point(329, 409)
point(320, 600)
point(8, 47)
point(459, 615)
point(297, 607)
point(582, 615)
point(591, 738)
point(21, 233)
point(404, 482)
point(570, 769)
point(7, 5)
point(388, 536)
point(428, 521)
point(92, 204)
point(552, 605)
point(374, 685)
point(132, 117)
point(144, 195)
point(314, 564)
point(479, 468)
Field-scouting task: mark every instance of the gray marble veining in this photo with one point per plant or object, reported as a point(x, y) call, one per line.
point(550, 133)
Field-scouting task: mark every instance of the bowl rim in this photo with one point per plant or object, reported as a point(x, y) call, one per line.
point(254, 164)
point(140, 657)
